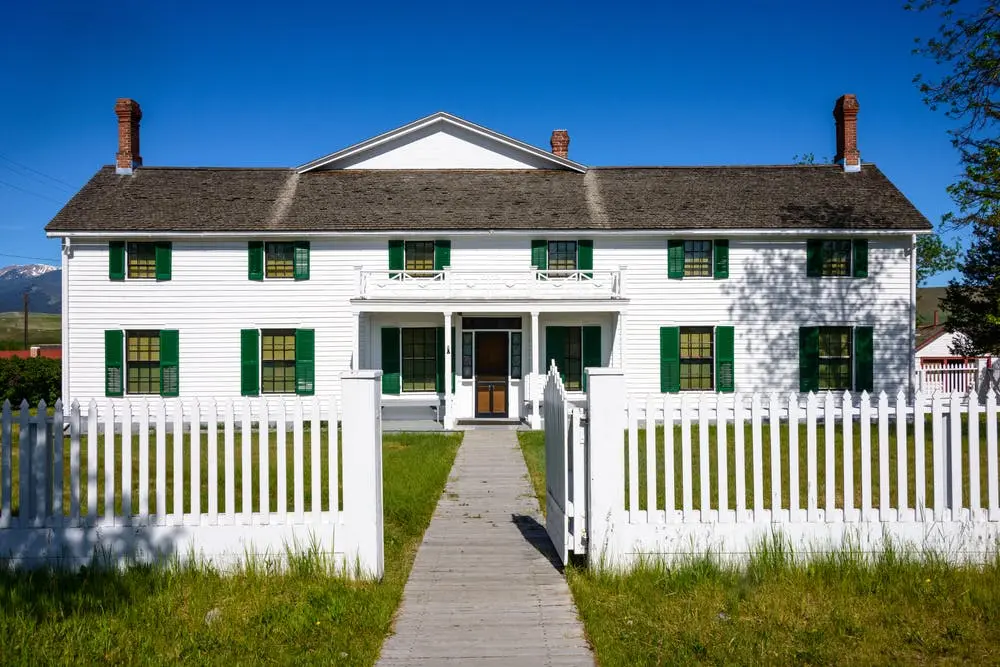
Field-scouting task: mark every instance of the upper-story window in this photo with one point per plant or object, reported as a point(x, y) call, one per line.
point(701, 258)
point(418, 259)
point(837, 257)
point(562, 256)
point(139, 260)
point(419, 256)
point(278, 260)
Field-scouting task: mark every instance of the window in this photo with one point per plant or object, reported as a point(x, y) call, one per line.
point(142, 261)
point(696, 358)
point(419, 256)
point(142, 362)
point(515, 354)
point(419, 347)
point(837, 258)
point(279, 260)
point(697, 259)
point(562, 256)
point(573, 349)
point(573, 362)
point(835, 347)
point(277, 370)
point(467, 339)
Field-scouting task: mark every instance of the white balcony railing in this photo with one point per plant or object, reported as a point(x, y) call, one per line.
point(939, 377)
point(466, 284)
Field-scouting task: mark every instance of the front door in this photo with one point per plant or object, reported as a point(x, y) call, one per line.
point(491, 373)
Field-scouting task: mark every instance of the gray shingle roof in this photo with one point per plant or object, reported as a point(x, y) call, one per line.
point(160, 199)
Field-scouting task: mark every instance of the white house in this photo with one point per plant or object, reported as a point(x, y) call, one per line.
point(462, 262)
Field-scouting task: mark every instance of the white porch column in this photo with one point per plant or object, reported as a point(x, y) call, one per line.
point(622, 339)
point(449, 413)
point(356, 352)
point(538, 374)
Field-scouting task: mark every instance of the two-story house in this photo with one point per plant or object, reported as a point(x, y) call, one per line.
point(463, 262)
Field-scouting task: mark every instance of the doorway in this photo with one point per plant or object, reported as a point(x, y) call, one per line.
point(492, 367)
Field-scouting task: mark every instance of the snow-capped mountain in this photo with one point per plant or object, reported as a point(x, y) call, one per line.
point(18, 271)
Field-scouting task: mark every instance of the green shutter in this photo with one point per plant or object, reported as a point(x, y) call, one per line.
point(442, 255)
point(591, 350)
point(255, 260)
point(116, 260)
point(397, 262)
point(814, 258)
point(670, 360)
point(725, 359)
point(390, 360)
point(249, 362)
point(114, 363)
point(305, 362)
point(859, 248)
point(163, 260)
point(808, 359)
point(555, 349)
point(169, 361)
point(864, 359)
point(300, 261)
point(540, 254)
point(721, 257)
point(439, 361)
point(585, 257)
point(675, 259)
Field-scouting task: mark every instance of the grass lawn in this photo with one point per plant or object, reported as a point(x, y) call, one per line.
point(838, 610)
point(42, 329)
point(158, 615)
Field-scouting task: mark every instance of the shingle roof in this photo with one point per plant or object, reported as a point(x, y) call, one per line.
point(160, 199)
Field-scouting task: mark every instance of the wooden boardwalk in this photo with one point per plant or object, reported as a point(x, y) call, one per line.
point(484, 589)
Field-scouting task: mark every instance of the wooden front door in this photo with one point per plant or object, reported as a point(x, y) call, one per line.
point(492, 367)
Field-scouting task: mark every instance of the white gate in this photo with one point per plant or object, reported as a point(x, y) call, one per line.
point(564, 470)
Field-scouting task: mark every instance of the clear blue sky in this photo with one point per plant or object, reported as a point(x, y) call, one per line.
point(278, 84)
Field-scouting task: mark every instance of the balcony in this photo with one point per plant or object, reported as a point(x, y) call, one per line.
point(528, 284)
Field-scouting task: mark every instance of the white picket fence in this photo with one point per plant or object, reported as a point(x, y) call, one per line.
point(826, 471)
point(101, 481)
point(941, 378)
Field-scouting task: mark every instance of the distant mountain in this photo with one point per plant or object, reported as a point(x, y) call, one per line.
point(41, 281)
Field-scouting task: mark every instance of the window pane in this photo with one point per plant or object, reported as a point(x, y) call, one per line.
point(837, 257)
point(697, 259)
point(574, 359)
point(142, 260)
point(142, 362)
point(697, 364)
point(419, 255)
point(515, 354)
point(562, 256)
point(467, 354)
point(835, 363)
point(279, 260)
point(419, 359)
point(277, 370)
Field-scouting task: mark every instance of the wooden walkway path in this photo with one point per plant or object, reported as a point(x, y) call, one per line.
point(484, 589)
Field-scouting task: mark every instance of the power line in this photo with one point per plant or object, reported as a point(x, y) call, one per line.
point(39, 259)
point(35, 171)
point(40, 196)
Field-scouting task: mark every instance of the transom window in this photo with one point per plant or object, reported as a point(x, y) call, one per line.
point(419, 359)
point(277, 369)
point(419, 256)
point(279, 260)
point(142, 362)
point(696, 358)
point(142, 260)
point(562, 256)
point(836, 257)
point(697, 259)
point(835, 348)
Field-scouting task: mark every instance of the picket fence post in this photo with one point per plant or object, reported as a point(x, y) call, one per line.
point(606, 475)
point(362, 467)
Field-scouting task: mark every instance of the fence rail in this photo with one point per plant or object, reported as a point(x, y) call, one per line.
point(172, 478)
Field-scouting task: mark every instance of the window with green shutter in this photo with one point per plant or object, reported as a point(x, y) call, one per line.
point(279, 260)
point(141, 261)
point(116, 260)
point(305, 362)
point(255, 260)
point(562, 257)
point(390, 360)
point(278, 370)
point(249, 362)
point(142, 362)
point(114, 363)
point(670, 363)
point(696, 358)
point(837, 258)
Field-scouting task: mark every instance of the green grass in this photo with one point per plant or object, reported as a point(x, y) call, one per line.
point(158, 615)
point(839, 608)
point(42, 329)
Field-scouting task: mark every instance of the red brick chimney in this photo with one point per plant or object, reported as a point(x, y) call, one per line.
point(129, 114)
point(560, 143)
point(846, 113)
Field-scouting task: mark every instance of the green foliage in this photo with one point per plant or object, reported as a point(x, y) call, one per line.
point(934, 256)
point(974, 303)
point(33, 379)
point(968, 45)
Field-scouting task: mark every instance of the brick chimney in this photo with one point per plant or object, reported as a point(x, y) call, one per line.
point(129, 114)
point(846, 114)
point(560, 143)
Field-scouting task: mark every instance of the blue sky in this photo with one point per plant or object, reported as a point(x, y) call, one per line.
point(278, 84)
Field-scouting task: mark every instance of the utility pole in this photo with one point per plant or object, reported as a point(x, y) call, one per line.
point(26, 320)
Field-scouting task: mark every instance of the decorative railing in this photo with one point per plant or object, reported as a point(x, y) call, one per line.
point(938, 377)
point(523, 284)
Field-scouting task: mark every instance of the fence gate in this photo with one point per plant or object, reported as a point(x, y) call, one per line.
point(564, 470)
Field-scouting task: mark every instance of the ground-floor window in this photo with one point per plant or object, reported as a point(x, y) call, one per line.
point(419, 351)
point(697, 358)
point(277, 368)
point(835, 358)
point(142, 362)
point(573, 349)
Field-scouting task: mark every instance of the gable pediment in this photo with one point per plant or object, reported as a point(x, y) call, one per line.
point(441, 141)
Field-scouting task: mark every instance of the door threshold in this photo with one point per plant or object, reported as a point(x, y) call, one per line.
point(488, 421)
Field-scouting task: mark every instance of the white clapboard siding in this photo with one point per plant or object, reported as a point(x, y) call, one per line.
point(167, 517)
